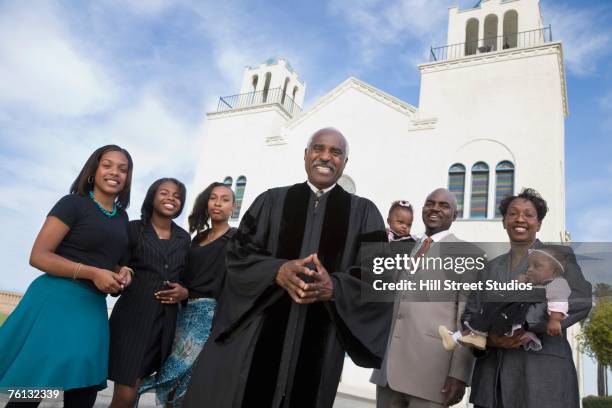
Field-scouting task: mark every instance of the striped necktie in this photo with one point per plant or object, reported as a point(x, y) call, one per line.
point(318, 195)
point(424, 247)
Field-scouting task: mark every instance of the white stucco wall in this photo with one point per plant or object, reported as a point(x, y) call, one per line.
point(235, 145)
point(514, 99)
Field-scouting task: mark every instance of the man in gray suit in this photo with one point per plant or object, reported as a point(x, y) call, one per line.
point(416, 371)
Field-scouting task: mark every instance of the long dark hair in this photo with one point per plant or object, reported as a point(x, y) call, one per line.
point(198, 219)
point(82, 184)
point(146, 211)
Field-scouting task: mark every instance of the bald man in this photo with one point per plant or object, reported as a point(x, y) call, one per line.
point(290, 310)
point(417, 372)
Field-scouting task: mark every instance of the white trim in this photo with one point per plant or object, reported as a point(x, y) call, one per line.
point(424, 124)
point(248, 110)
point(275, 140)
point(367, 89)
point(505, 55)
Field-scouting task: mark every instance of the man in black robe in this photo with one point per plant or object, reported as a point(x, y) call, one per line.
point(292, 303)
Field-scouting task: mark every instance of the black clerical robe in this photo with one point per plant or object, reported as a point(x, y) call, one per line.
point(267, 351)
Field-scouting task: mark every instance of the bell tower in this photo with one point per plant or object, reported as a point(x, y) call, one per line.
point(245, 135)
point(498, 89)
point(493, 25)
point(495, 99)
point(273, 80)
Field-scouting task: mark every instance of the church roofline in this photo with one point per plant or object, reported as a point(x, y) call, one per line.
point(352, 82)
point(274, 61)
point(478, 6)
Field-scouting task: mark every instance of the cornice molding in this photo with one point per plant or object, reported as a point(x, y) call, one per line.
point(275, 140)
point(505, 55)
point(249, 110)
point(424, 124)
point(354, 83)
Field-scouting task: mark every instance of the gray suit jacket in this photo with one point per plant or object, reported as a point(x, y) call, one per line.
point(415, 362)
point(532, 379)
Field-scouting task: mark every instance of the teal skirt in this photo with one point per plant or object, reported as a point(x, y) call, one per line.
point(57, 337)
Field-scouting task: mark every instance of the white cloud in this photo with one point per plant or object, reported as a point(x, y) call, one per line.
point(160, 142)
point(42, 68)
point(234, 39)
point(374, 24)
point(586, 36)
point(415, 25)
point(161, 145)
point(59, 100)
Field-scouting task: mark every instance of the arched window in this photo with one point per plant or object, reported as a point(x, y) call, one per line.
point(266, 87)
point(490, 33)
point(293, 95)
point(254, 82)
point(228, 181)
point(456, 185)
point(284, 91)
point(471, 36)
point(480, 190)
point(510, 29)
point(504, 183)
point(240, 186)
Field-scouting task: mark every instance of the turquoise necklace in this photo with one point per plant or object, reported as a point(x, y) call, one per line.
point(109, 214)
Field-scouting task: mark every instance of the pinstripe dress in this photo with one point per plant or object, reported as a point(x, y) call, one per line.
point(142, 328)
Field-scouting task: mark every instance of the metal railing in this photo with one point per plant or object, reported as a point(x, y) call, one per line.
point(490, 44)
point(265, 97)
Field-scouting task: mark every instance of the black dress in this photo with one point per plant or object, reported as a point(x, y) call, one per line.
point(205, 271)
point(142, 328)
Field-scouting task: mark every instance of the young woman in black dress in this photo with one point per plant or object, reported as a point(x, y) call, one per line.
point(57, 337)
point(143, 320)
point(204, 276)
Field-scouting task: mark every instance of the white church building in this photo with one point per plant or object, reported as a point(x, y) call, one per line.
point(489, 121)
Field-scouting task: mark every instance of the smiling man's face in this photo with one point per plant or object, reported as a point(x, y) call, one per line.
point(325, 158)
point(439, 211)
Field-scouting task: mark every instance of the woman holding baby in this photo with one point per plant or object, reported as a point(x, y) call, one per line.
point(507, 374)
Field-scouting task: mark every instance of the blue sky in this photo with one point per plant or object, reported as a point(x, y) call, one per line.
point(142, 74)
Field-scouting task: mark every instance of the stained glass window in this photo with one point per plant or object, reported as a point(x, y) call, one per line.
point(504, 183)
point(456, 185)
point(480, 190)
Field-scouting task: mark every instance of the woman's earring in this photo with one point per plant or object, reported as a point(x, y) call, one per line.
point(90, 180)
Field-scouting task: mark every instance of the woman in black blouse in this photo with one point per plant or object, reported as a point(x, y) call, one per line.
point(204, 276)
point(144, 318)
point(57, 337)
